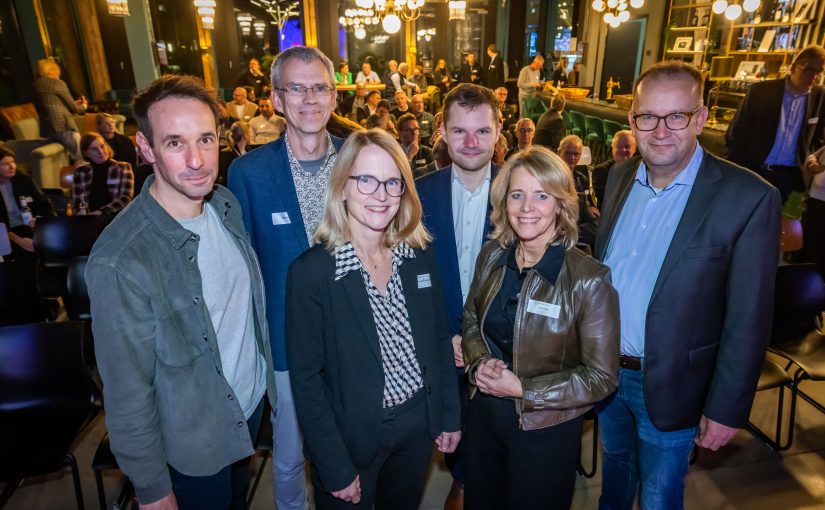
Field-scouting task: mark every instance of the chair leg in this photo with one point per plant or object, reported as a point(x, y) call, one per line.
point(8, 491)
point(775, 443)
point(264, 458)
point(78, 491)
point(101, 493)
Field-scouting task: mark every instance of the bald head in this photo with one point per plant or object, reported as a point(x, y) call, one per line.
point(624, 145)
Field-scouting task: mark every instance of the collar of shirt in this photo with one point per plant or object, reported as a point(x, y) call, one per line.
point(293, 161)
point(487, 173)
point(547, 267)
point(346, 260)
point(788, 91)
point(685, 177)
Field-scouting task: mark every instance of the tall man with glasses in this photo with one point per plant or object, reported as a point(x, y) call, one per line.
point(692, 242)
point(781, 123)
point(282, 187)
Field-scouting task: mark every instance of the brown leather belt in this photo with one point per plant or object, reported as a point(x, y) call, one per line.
point(630, 362)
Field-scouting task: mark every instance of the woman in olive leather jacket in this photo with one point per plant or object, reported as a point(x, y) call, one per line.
point(540, 341)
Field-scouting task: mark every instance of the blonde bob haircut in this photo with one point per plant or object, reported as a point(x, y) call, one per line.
point(334, 231)
point(555, 178)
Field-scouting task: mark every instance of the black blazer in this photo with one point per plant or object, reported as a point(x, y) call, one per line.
point(335, 360)
point(494, 73)
point(23, 186)
point(709, 317)
point(549, 130)
point(751, 135)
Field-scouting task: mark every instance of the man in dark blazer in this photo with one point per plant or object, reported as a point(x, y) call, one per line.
point(780, 123)
point(692, 242)
point(456, 202)
point(56, 108)
point(494, 74)
point(281, 188)
point(470, 70)
point(550, 126)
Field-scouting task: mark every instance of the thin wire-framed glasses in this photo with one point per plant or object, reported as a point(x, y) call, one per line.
point(674, 121)
point(367, 185)
point(300, 91)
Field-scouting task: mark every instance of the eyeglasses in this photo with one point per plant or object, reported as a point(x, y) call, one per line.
point(299, 91)
point(411, 130)
point(674, 121)
point(525, 131)
point(367, 185)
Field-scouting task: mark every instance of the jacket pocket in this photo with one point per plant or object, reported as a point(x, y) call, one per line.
point(703, 356)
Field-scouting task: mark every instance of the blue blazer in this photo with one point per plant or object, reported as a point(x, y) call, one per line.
point(435, 192)
point(262, 181)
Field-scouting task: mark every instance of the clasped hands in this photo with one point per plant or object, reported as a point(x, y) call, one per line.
point(494, 378)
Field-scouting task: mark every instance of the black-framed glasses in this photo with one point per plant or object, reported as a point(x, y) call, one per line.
point(674, 121)
point(367, 185)
point(300, 91)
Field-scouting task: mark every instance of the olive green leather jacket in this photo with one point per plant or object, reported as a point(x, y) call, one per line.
point(565, 350)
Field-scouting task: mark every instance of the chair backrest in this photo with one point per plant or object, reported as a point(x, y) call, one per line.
point(577, 118)
point(58, 198)
point(610, 128)
point(799, 299)
point(26, 129)
point(46, 396)
point(58, 239)
point(10, 114)
point(77, 307)
point(565, 117)
point(66, 177)
point(593, 126)
point(19, 298)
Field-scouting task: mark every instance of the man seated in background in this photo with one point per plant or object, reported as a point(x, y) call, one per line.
point(367, 75)
point(402, 104)
point(371, 106)
point(550, 127)
point(570, 150)
point(508, 115)
point(426, 121)
point(624, 147)
point(267, 126)
point(122, 146)
point(241, 108)
point(525, 131)
point(419, 156)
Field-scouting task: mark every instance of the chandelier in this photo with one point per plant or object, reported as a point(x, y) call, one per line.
point(368, 14)
point(425, 33)
point(206, 11)
point(245, 22)
point(733, 10)
point(615, 11)
point(118, 7)
point(458, 9)
point(280, 14)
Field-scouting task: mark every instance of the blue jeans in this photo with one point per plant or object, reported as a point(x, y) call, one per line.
point(638, 457)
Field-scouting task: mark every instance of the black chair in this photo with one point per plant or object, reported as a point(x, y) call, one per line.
point(19, 298)
point(46, 400)
point(797, 338)
point(58, 240)
point(58, 198)
point(77, 302)
point(773, 376)
point(105, 460)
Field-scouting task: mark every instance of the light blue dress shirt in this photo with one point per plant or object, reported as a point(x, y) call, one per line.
point(791, 118)
point(640, 241)
point(469, 218)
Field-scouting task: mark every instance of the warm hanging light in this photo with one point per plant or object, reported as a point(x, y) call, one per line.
point(636, 4)
point(733, 12)
point(206, 11)
point(615, 11)
point(360, 33)
point(598, 5)
point(750, 5)
point(719, 6)
point(391, 23)
point(458, 9)
point(118, 8)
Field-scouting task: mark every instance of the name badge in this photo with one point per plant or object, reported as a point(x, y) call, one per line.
point(112, 182)
point(280, 218)
point(424, 281)
point(813, 120)
point(542, 308)
point(420, 161)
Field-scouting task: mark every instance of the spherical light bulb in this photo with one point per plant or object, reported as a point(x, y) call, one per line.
point(622, 6)
point(750, 5)
point(719, 6)
point(624, 16)
point(636, 4)
point(360, 33)
point(608, 17)
point(598, 5)
point(366, 4)
point(612, 3)
point(391, 23)
point(342, 21)
point(615, 23)
point(733, 12)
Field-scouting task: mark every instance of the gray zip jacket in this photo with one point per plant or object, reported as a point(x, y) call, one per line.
point(166, 399)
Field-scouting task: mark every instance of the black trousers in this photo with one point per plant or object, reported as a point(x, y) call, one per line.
point(513, 469)
point(455, 461)
point(813, 234)
point(784, 178)
point(394, 480)
point(226, 489)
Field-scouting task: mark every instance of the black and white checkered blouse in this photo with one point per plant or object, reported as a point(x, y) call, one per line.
point(402, 374)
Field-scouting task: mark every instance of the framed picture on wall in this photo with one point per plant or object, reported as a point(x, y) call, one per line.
point(748, 68)
point(682, 44)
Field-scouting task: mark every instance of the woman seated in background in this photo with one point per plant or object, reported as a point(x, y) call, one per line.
point(540, 342)
point(102, 185)
point(22, 203)
point(238, 142)
point(370, 355)
point(383, 119)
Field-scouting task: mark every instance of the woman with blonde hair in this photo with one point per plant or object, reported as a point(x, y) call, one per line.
point(540, 341)
point(370, 357)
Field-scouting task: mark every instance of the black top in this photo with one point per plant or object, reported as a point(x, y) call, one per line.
point(99, 191)
point(499, 323)
point(124, 149)
point(559, 77)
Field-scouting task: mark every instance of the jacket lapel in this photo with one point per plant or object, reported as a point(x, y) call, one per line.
point(613, 205)
point(282, 180)
point(696, 209)
point(360, 302)
point(487, 223)
point(443, 219)
point(410, 270)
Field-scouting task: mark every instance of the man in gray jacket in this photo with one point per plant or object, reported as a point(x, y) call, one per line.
point(178, 315)
point(56, 108)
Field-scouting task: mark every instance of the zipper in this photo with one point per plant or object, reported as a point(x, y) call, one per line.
point(525, 288)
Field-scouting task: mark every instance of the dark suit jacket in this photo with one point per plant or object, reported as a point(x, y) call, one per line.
point(494, 73)
point(55, 106)
point(23, 186)
point(470, 74)
point(751, 135)
point(262, 181)
point(435, 192)
point(710, 313)
point(335, 360)
point(549, 130)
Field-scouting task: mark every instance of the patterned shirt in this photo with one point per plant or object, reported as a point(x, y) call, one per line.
point(402, 374)
point(120, 182)
point(311, 188)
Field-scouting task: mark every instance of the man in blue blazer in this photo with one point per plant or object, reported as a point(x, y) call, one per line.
point(281, 187)
point(692, 242)
point(456, 202)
